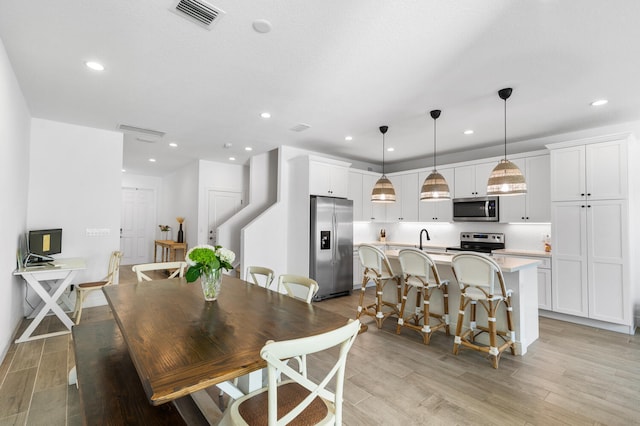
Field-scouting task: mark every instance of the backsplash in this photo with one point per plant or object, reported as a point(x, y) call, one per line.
point(517, 236)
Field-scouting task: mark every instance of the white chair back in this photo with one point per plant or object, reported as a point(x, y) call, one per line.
point(114, 267)
point(298, 287)
point(416, 263)
point(260, 276)
point(374, 259)
point(178, 269)
point(477, 270)
point(277, 353)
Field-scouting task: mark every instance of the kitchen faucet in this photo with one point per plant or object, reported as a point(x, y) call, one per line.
point(428, 239)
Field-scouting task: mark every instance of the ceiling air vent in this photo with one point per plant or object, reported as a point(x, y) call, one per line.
point(300, 127)
point(147, 132)
point(199, 12)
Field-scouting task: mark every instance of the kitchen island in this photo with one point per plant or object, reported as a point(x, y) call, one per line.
point(520, 276)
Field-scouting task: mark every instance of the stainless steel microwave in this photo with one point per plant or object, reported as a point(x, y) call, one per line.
point(477, 209)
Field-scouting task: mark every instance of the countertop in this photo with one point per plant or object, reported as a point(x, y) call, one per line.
point(507, 264)
point(403, 244)
point(518, 252)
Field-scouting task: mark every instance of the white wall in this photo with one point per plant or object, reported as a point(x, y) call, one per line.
point(14, 179)
point(74, 184)
point(179, 198)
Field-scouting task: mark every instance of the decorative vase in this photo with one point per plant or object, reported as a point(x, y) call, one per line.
point(180, 235)
point(211, 284)
point(164, 235)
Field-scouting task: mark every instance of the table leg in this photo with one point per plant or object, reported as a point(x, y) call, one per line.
point(155, 252)
point(50, 304)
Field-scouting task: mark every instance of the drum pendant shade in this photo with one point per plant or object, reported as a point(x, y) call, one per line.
point(383, 191)
point(435, 186)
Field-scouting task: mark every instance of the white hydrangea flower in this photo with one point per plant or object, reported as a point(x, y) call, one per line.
point(226, 255)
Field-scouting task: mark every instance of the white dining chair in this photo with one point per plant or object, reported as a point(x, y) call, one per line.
point(83, 289)
point(176, 270)
point(260, 276)
point(298, 287)
point(299, 396)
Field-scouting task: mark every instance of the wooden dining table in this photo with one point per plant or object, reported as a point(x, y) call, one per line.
point(180, 344)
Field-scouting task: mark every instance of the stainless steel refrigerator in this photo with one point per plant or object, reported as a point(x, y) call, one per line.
point(331, 246)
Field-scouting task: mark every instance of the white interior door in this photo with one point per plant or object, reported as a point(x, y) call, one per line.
point(222, 205)
point(137, 224)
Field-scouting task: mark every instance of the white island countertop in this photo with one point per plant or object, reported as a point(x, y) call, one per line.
point(507, 264)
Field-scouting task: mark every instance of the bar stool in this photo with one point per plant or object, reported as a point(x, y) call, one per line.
point(417, 267)
point(476, 275)
point(377, 269)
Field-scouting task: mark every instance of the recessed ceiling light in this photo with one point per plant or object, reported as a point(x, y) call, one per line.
point(152, 160)
point(265, 115)
point(123, 170)
point(248, 148)
point(348, 138)
point(261, 26)
point(391, 149)
point(173, 145)
point(468, 132)
point(96, 66)
point(599, 102)
point(232, 158)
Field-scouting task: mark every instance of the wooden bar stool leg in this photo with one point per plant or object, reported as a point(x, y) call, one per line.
point(493, 344)
point(379, 314)
point(426, 315)
point(458, 340)
point(472, 320)
point(445, 301)
point(361, 306)
point(402, 306)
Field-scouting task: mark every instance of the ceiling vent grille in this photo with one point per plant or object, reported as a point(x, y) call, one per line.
point(148, 132)
point(300, 127)
point(199, 12)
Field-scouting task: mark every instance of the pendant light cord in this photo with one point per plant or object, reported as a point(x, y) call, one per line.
point(434, 145)
point(383, 154)
point(505, 129)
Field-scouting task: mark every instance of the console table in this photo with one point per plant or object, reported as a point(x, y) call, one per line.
point(50, 281)
point(168, 250)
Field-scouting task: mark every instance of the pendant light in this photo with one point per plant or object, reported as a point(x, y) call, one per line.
point(435, 186)
point(383, 191)
point(506, 178)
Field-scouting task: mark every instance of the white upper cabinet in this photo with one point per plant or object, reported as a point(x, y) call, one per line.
point(371, 211)
point(471, 181)
point(535, 205)
point(355, 194)
point(328, 179)
point(405, 209)
point(436, 211)
point(597, 171)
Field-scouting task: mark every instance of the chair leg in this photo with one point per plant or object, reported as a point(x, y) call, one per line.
point(379, 314)
point(445, 308)
point(80, 296)
point(361, 306)
point(493, 343)
point(457, 340)
point(402, 306)
point(426, 315)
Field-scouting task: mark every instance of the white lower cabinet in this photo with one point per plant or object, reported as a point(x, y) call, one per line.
point(544, 279)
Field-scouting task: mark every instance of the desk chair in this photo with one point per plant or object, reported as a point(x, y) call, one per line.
point(260, 276)
point(177, 269)
point(298, 287)
point(420, 273)
point(476, 275)
point(299, 397)
point(83, 289)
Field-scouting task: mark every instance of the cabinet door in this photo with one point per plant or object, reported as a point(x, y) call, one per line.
point(482, 173)
point(569, 270)
point(319, 178)
point(436, 211)
point(544, 289)
point(606, 170)
point(410, 197)
point(355, 194)
point(339, 181)
point(394, 210)
point(513, 208)
point(607, 242)
point(465, 185)
point(538, 198)
point(568, 173)
point(371, 211)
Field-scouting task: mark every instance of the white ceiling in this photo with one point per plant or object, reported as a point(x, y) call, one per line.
point(342, 67)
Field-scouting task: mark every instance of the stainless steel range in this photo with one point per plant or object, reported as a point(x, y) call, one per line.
point(482, 242)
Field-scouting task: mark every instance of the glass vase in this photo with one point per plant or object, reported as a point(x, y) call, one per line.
point(211, 284)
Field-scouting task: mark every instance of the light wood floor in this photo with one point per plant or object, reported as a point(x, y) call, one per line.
point(572, 375)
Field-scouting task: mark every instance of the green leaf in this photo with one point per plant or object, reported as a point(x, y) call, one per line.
point(193, 273)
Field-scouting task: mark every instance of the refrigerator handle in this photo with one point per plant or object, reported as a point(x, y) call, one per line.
point(334, 238)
